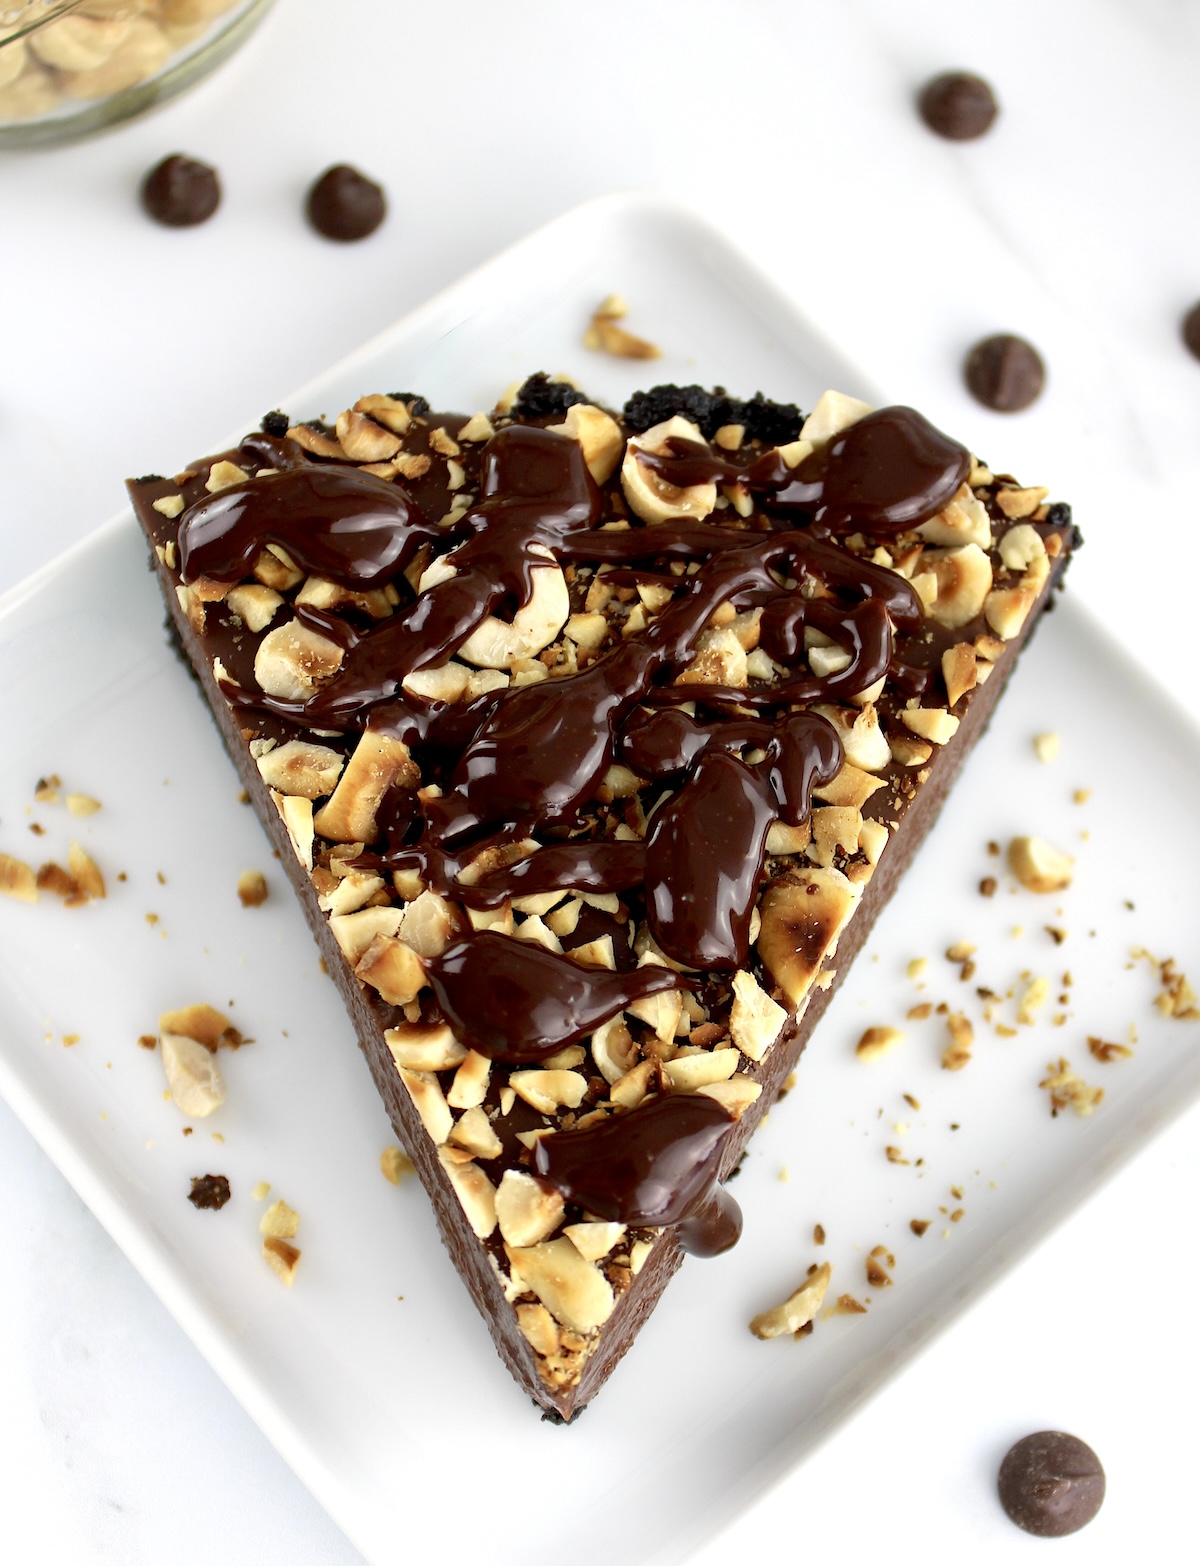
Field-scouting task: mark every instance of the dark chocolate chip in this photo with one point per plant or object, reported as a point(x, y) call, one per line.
point(1051, 1484)
point(1005, 373)
point(181, 192)
point(346, 205)
point(275, 423)
point(958, 105)
point(209, 1191)
point(1191, 330)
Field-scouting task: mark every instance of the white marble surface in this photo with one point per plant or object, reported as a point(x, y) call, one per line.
point(126, 347)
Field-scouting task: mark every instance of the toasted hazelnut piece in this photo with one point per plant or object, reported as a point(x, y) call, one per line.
point(533, 929)
point(600, 436)
point(378, 762)
point(832, 413)
point(596, 954)
point(797, 1310)
point(548, 1091)
point(1021, 546)
point(851, 787)
point(958, 670)
point(85, 871)
point(660, 1012)
point(734, 1095)
point(964, 579)
point(475, 1132)
point(425, 1046)
point(17, 879)
point(755, 1021)
point(909, 752)
point(279, 1221)
point(496, 644)
point(730, 437)
point(427, 925)
point(281, 1257)
point(1037, 993)
point(1007, 609)
point(316, 442)
point(193, 1076)
point(388, 411)
point(292, 661)
point(254, 603)
point(1068, 1091)
point(594, 1240)
point(925, 584)
point(168, 506)
point(539, 1328)
point(648, 495)
point(470, 1085)
point(962, 1035)
point(872, 839)
point(803, 914)
point(297, 817)
point(720, 660)
point(478, 428)
point(393, 969)
point(448, 682)
point(613, 1050)
point(302, 768)
point(963, 521)
point(474, 1190)
point(529, 1211)
point(934, 724)
point(587, 630)
point(573, 1290)
point(785, 839)
point(363, 440)
point(834, 827)
point(686, 1073)
point(223, 475)
point(354, 932)
point(355, 889)
point(1046, 747)
point(203, 1023)
point(863, 741)
point(877, 1042)
point(1017, 503)
point(1037, 866)
point(319, 592)
point(395, 1164)
point(270, 570)
point(426, 1094)
point(629, 1091)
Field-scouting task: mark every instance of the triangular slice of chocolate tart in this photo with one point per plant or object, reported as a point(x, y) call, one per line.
point(588, 740)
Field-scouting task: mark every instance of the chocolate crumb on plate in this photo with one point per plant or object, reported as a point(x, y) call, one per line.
point(1190, 330)
point(209, 1190)
point(958, 105)
point(346, 205)
point(180, 192)
point(1051, 1484)
point(1004, 373)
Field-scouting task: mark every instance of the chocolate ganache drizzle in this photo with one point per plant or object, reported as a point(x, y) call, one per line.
point(526, 760)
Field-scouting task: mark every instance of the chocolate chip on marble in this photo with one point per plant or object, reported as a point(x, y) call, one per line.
point(958, 106)
point(1190, 330)
point(181, 191)
point(1005, 373)
point(346, 205)
point(1051, 1484)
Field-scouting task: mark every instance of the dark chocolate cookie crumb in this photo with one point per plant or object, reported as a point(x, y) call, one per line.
point(275, 423)
point(958, 106)
point(149, 478)
point(416, 405)
point(1051, 1484)
point(1191, 330)
point(540, 396)
point(773, 423)
point(1005, 373)
point(646, 408)
point(551, 1416)
point(181, 192)
point(346, 205)
point(209, 1190)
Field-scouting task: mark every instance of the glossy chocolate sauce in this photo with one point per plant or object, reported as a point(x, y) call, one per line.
point(652, 1167)
point(528, 760)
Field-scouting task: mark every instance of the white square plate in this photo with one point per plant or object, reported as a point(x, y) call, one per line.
point(374, 1376)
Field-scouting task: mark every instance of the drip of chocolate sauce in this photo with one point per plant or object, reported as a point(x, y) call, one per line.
point(653, 1166)
point(516, 1001)
point(562, 867)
